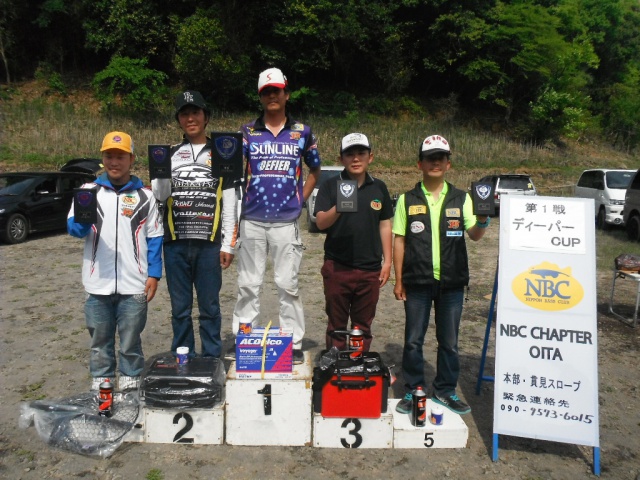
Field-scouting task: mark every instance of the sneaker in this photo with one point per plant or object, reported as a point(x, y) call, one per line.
point(128, 383)
point(298, 357)
point(453, 403)
point(404, 405)
point(231, 354)
point(96, 381)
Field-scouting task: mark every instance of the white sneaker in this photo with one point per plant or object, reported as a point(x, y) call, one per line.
point(128, 383)
point(96, 381)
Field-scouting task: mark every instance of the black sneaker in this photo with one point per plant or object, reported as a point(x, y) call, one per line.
point(231, 354)
point(404, 405)
point(453, 403)
point(298, 357)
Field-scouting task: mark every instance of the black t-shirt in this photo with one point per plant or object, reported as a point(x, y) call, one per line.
point(354, 239)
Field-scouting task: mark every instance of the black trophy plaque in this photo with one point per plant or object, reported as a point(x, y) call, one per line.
point(347, 200)
point(85, 205)
point(226, 154)
point(159, 162)
point(483, 201)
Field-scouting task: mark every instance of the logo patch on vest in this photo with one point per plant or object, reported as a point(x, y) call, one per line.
point(417, 210)
point(453, 224)
point(452, 212)
point(376, 204)
point(417, 227)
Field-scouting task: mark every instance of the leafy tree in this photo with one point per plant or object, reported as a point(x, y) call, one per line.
point(624, 109)
point(130, 28)
point(204, 59)
point(127, 85)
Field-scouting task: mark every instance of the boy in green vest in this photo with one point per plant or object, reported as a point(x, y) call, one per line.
point(431, 267)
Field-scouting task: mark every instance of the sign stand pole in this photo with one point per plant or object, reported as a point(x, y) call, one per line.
point(487, 333)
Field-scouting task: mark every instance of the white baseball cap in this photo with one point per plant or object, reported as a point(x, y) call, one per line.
point(355, 140)
point(272, 77)
point(434, 144)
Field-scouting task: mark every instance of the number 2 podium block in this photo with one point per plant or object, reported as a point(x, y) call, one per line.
point(453, 433)
point(198, 426)
point(353, 432)
point(269, 411)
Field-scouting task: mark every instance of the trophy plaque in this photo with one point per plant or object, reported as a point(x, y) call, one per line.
point(226, 154)
point(159, 162)
point(85, 205)
point(347, 199)
point(483, 200)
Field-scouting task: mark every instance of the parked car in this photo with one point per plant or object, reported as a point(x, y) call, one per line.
point(631, 209)
point(39, 201)
point(509, 184)
point(327, 172)
point(607, 187)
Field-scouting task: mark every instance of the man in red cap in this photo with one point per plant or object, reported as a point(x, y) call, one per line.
point(275, 147)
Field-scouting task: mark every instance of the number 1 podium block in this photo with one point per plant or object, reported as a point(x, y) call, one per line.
point(269, 411)
point(453, 433)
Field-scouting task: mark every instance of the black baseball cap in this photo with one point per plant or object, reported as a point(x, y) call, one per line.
point(191, 98)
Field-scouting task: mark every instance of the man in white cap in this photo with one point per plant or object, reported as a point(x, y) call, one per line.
point(275, 147)
point(431, 267)
point(357, 249)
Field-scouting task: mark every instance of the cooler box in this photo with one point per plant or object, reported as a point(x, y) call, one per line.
point(197, 384)
point(349, 390)
point(278, 354)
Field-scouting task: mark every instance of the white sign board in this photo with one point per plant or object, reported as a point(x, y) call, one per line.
point(546, 376)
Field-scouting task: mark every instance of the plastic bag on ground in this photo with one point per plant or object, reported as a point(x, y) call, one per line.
point(73, 423)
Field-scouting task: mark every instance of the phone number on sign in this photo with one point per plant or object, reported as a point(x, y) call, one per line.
point(547, 413)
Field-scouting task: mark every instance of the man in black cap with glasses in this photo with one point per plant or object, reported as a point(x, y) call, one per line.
point(197, 205)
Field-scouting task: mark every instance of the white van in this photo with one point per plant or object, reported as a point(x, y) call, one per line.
point(607, 187)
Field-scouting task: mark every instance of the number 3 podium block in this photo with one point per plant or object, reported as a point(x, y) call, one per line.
point(453, 433)
point(353, 432)
point(269, 411)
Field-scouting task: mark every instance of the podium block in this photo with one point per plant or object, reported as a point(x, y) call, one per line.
point(269, 411)
point(136, 434)
point(453, 433)
point(204, 426)
point(353, 432)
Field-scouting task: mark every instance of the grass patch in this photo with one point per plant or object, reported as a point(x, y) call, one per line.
point(31, 392)
point(154, 474)
point(58, 130)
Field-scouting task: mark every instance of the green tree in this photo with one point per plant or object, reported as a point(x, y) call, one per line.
point(204, 59)
point(130, 28)
point(128, 86)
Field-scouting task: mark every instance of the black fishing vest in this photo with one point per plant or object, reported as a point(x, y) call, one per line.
point(417, 265)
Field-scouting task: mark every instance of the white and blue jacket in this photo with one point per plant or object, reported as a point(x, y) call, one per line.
point(124, 247)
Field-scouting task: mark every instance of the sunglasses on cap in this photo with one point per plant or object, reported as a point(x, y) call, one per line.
point(436, 156)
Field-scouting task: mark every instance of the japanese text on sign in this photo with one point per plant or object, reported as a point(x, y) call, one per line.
point(547, 224)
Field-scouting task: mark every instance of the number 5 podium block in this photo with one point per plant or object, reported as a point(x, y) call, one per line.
point(453, 433)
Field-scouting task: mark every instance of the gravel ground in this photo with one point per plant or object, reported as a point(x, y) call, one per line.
point(45, 355)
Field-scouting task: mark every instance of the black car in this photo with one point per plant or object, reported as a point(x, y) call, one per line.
point(40, 201)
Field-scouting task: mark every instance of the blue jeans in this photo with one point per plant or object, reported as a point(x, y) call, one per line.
point(105, 313)
point(448, 310)
point(188, 263)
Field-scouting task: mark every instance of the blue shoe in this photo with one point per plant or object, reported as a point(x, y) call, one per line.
point(404, 405)
point(453, 403)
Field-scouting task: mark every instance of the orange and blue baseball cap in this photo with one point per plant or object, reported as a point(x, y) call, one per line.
point(118, 140)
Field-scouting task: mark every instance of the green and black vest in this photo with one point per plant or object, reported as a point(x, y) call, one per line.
point(417, 265)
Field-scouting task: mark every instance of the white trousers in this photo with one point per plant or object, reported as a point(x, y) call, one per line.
point(283, 242)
